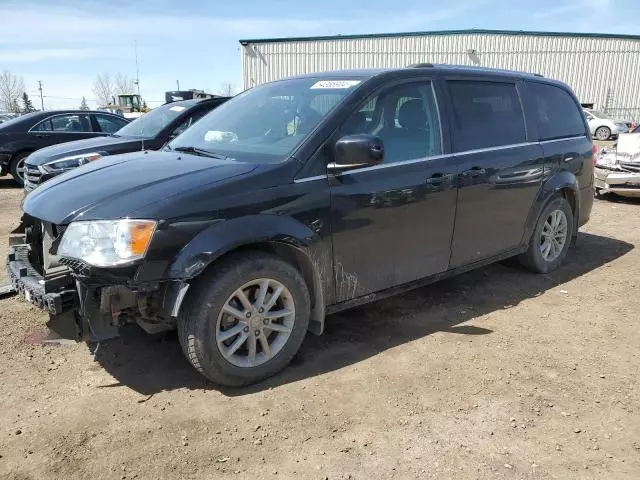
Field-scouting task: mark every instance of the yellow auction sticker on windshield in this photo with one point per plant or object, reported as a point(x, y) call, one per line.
point(335, 84)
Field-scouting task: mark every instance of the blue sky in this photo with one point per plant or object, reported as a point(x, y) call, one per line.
point(65, 43)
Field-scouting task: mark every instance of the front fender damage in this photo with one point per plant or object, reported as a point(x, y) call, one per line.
point(104, 309)
point(102, 306)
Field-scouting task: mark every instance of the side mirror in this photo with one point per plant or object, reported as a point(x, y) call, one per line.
point(357, 151)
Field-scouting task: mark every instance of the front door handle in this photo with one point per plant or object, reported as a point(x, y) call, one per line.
point(474, 172)
point(438, 179)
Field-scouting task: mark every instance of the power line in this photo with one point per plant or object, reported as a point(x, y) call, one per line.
point(87, 99)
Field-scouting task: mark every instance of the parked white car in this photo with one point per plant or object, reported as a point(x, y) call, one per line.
point(603, 127)
point(618, 167)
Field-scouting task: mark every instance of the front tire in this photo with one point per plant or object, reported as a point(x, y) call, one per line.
point(603, 133)
point(245, 320)
point(551, 237)
point(17, 167)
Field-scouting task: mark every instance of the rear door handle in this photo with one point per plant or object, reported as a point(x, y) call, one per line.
point(474, 172)
point(438, 179)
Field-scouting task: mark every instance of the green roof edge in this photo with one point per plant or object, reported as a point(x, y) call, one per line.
point(442, 32)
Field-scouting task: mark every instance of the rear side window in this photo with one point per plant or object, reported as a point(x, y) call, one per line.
point(190, 120)
point(70, 123)
point(486, 114)
point(110, 124)
point(556, 112)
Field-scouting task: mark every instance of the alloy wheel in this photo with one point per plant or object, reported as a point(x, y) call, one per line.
point(255, 323)
point(603, 133)
point(553, 235)
point(20, 168)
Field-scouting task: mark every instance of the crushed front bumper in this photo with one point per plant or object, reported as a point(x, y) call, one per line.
point(93, 307)
point(56, 294)
point(625, 184)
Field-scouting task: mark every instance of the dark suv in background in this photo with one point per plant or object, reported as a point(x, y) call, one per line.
point(27, 133)
point(148, 132)
point(306, 196)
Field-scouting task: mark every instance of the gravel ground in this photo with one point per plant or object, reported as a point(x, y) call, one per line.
point(498, 373)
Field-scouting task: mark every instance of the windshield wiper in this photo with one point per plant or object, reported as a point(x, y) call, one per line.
point(199, 151)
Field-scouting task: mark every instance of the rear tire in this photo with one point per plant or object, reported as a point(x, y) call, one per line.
point(206, 331)
point(551, 237)
point(17, 167)
point(603, 133)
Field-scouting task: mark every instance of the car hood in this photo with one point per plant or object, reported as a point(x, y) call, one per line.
point(121, 185)
point(110, 145)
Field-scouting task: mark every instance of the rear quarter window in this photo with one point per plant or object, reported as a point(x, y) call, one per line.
point(486, 114)
point(556, 112)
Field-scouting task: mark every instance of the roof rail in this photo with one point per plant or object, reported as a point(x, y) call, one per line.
point(420, 65)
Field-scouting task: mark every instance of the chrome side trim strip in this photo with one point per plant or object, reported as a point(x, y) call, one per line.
point(309, 179)
point(575, 137)
point(395, 164)
point(435, 157)
point(491, 149)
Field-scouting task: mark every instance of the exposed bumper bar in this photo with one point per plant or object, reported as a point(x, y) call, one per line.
point(56, 294)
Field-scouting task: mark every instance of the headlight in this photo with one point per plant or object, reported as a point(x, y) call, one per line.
point(73, 161)
point(106, 243)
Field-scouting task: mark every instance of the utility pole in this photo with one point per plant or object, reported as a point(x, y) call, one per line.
point(135, 47)
point(41, 97)
point(178, 84)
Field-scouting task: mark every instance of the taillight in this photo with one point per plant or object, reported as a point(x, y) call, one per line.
point(594, 153)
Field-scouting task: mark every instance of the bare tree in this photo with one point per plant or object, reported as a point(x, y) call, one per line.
point(124, 84)
point(11, 89)
point(103, 88)
point(226, 89)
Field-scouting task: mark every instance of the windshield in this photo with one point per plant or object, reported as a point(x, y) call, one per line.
point(598, 114)
point(267, 122)
point(151, 124)
point(637, 130)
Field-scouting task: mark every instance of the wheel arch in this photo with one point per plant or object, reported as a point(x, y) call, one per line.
point(282, 236)
point(20, 151)
point(562, 183)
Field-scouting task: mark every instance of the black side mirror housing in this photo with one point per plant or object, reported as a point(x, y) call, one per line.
point(357, 151)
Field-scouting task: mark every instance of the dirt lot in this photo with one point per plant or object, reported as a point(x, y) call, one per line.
point(496, 374)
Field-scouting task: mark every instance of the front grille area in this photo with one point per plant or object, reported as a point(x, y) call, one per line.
point(78, 266)
point(631, 166)
point(32, 176)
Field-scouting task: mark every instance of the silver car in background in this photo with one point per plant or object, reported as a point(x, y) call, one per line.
point(603, 127)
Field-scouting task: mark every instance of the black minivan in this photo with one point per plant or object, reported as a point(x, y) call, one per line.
point(303, 197)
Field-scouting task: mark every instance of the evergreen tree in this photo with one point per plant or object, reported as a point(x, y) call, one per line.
point(83, 105)
point(27, 105)
point(15, 108)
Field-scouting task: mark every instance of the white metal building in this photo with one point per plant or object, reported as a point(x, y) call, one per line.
point(603, 70)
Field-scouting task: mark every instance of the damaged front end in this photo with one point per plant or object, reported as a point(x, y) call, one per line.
point(618, 169)
point(85, 302)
